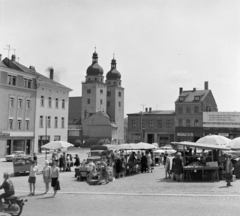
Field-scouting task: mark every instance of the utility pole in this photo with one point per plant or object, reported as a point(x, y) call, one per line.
point(143, 105)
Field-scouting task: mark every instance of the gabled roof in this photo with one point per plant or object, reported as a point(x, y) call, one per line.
point(155, 112)
point(189, 96)
point(3, 65)
point(41, 79)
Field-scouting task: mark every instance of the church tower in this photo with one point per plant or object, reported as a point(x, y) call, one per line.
point(93, 89)
point(115, 99)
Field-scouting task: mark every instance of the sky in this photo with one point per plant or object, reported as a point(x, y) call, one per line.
point(159, 45)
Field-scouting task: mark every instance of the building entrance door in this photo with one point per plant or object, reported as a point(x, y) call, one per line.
point(28, 147)
point(150, 138)
point(9, 149)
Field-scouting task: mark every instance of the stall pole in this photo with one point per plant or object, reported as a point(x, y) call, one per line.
point(212, 155)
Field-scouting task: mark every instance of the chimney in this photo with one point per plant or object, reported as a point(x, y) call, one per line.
point(194, 89)
point(13, 58)
point(146, 109)
point(32, 68)
point(51, 73)
point(0, 57)
point(150, 109)
point(206, 85)
point(180, 90)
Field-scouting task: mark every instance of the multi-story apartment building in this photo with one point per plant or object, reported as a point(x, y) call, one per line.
point(17, 108)
point(151, 126)
point(189, 108)
point(35, 108)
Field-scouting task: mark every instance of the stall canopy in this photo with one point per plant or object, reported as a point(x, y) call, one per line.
point(234, 144)
point(132, 146)
point(214, 139)
point(55, 145)
point(201, 145)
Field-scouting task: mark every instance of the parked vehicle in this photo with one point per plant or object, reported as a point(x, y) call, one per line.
point(18, 154)
point(14, 207)
point(165, 149)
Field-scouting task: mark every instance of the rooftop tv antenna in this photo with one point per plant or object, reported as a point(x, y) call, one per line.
point(8, 49)
point(143, 105)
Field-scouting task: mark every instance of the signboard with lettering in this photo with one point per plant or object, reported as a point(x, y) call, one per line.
point(4, 134)
point(184, 134)
point(221, 119)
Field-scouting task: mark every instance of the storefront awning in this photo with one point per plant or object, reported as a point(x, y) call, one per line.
point(200, 145)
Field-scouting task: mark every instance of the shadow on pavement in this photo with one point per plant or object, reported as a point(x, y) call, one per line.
point(49, 197)
point(225, 186)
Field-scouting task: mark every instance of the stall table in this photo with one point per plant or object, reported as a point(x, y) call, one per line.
point(187, 172)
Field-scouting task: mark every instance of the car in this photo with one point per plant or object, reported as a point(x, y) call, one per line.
point(165, 149)
point(15, 154)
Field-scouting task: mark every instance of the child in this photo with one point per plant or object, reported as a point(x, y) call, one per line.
point(32, 178)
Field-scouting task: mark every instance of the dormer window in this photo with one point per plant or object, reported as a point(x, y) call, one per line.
point(181, 98)
point(197, 98)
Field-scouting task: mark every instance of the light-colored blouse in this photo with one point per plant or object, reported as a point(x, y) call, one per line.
point(47, 172)
point(33, 171)
point(55, 172)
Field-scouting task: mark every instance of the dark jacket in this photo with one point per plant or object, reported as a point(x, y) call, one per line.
point(144, 159)
point(7, 186)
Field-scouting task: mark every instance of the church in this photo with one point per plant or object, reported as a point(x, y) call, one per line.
point(98, 116)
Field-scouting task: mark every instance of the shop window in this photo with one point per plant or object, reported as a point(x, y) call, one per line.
point(188, 123)
point(27, 124)
point(63, 122)
point(10, 124)
point(56, 122)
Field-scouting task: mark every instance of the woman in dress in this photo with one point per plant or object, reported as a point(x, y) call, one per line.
point(167, 166)
point(178, 166)
point(55, 178)
point(228, 174)
point(46, 175)
point(149, 161)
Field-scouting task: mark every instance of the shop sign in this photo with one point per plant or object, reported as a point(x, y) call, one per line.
point(184, 134)
point(221, 119)
point(4, 134)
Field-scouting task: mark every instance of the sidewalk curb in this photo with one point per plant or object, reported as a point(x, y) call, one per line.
point(141, 194)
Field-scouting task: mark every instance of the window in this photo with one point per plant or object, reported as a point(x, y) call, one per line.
point(56, 122)
point(50, 102)
point(56, 103)
point(28, 104)
point(11, 80)
point(119, 104)
point(181, 98)
point(188, 123)
point(25, 83)
point(134, 123)
point(89, 91)
point(196, 109)
point(180, 109)
point(108, 104)
point(27, 124)
point(159, 123)
point(119, 94)
point(10, 124)
point(63, 103)
point(143, 124)
point(20, 103)
point(208, 109)
point(196, 123)
point(42, 100)
point(63, 122)
point(108, 94)
point(100, 101)
point(180, 122)
point(11, 102)
point(29, 83)
point(188, 109)
point(150, 123)
point(41, 122)
point(101, 91)
point(197, 98)
point(88, 100)
point(169, 123)
point(49, 121)
point(19, 124)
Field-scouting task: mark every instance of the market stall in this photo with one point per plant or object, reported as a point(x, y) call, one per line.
point(22, 165)
point(204, 164)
